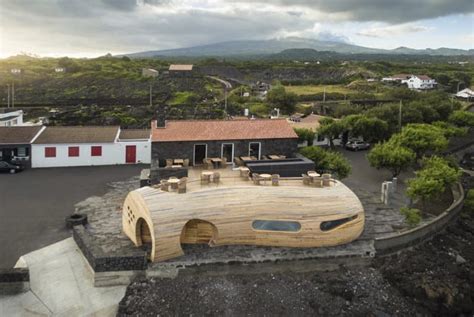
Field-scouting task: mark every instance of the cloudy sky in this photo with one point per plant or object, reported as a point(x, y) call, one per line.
point(96, 27)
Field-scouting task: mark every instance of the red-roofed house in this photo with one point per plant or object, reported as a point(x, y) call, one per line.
point(199, 139)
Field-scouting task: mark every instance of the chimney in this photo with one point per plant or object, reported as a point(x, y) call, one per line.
point(161, 118)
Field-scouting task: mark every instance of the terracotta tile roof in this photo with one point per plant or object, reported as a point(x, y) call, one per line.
point(214, 130)
point(134, 134)
point(401, 76)
point(423, 77)
point(177, 67)
point(18, 135)
point(91, 134)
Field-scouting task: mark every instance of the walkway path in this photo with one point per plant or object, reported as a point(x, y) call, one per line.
point(61, 285)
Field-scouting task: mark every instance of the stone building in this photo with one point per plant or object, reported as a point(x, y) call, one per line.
point(199, 139)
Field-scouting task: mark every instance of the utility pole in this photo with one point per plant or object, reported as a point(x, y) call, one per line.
point(324, 95)
point(8, 95)
point(13, 95)
point(151, 100)
point(225, 100)
point(400, 116)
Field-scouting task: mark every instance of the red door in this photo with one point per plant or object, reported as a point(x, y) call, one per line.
point(130, 154)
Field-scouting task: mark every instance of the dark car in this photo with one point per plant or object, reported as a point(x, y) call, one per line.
point(467, 161)
point(6, 167)
point(356, 145)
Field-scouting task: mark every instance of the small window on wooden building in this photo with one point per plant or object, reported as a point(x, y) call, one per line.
point(73, 151)
point(49, 152)
point(96, 151)
point(329, 225)
point(276, 225)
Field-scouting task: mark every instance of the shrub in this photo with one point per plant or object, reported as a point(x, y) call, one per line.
point(412, 216)
point(469, 201)
point(326, 160)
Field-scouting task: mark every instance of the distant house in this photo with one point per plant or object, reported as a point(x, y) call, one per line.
point(412, 81)
point(59, 69)
point(15, 71)
point(420, 82)
point(11, 119)
point(149, 72)
point(396, 78)
point(89, 146)
point(181, 70)
point(15, 143)
point(261, 86)
point(199, 139)
point(466, 94)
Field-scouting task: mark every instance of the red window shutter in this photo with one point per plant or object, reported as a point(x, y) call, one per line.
point(96, 151)
point(49, 152)
point(73, 151)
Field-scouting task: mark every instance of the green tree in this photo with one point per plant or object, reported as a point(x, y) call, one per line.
point(424, 188)
point(462, 118)
point(440, 169)
point(325, 160)
point(449, 129)
point(305, 135)
point(369, 128)
point(279, 98)
point(391, 156)
point(330, 129)
point(421, 139)
point(432, 179)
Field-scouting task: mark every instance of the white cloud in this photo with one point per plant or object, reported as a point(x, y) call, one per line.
point(95, 27)
point(393, 30)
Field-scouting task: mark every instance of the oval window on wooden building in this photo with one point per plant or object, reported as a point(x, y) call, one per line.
point(276, 225)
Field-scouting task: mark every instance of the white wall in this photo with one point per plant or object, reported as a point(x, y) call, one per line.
point(112, 154)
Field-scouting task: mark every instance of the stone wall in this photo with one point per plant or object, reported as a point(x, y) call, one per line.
point(184, 150)
point(14, 281)
point(396, 242)
point(99, 261)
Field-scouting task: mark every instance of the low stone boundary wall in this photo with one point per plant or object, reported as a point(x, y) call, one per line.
point(14, 281)
point(101, 262)
point(411, 237)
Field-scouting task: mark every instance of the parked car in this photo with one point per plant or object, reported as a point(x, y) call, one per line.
point(467, 161)
point(357, 145)
point(10, 168)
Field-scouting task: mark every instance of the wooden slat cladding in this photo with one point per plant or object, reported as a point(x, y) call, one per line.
point(197, 231)
point(223, 215)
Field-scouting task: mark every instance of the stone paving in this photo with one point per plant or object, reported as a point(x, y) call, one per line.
point(104, 214)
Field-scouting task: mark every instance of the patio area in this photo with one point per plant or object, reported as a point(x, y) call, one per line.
point(200, 177)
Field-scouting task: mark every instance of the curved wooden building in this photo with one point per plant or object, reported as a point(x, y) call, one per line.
point(287, 215)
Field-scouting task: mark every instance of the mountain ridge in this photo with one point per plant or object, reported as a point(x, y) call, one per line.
point(274, 46)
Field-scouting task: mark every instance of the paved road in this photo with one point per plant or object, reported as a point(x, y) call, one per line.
point(365, 176)
point(34, 203)
point(222, 81)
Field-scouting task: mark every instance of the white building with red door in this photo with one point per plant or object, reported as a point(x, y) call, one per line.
point(90, 146)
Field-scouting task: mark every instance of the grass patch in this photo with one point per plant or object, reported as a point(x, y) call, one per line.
point(315, 89)
point(182, 97)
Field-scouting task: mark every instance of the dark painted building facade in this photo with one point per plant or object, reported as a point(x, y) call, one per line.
point(196, 140)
